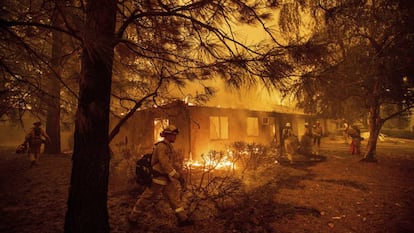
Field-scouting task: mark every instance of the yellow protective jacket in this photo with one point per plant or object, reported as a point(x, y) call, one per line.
point(317, 131)
point(163, 162)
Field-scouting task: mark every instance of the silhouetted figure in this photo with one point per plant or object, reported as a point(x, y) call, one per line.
point(34, 139)
point(290, 140)
point(317, 135)
point(355, 134)
point(306, 141)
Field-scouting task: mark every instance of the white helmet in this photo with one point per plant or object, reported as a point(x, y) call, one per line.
point(171, 129)
point(288, 124)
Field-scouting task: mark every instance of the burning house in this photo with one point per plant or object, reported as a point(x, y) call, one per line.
point(205, 128)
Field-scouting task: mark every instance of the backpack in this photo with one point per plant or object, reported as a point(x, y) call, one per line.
point(35, 137)
point(143, 170)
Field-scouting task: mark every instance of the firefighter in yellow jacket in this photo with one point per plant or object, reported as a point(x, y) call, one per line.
point(166, 179)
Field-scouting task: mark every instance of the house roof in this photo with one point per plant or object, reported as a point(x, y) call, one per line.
point(273, 108)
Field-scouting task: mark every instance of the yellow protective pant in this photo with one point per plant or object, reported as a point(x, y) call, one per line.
point(170, 191)
point(291, 146)
point(305, 145)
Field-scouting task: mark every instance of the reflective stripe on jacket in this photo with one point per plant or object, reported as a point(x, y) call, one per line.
point(163, 161)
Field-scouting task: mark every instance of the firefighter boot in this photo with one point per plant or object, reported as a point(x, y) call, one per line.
point(185, 223)
point(133, 217)
point(183, 220)
point(132, 220)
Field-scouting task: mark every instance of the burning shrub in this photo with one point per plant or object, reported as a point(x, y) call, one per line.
point(249, 156)
point(212, 184)
point(217, 182)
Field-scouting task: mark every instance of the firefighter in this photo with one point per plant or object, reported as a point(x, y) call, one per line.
point(290, 142)
point(306, 141)
point(166, 180)
point(355, 146)
point(34, 139)
point(287, 131)
point(317, 134)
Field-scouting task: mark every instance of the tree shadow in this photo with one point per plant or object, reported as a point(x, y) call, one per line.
point(304, 162)
point(257, 209)
point(348, 183)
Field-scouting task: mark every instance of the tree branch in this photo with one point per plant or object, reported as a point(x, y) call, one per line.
point(137, 105)
point(398, 112)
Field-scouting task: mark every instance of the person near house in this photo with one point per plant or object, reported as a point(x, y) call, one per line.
point(166, 180)
point(345, 132)
point(355, 134)
point(317, 134)
point(290, 142)
point(306, 141)
point(34, 139)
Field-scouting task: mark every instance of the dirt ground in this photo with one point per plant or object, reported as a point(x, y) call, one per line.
point(339, 195)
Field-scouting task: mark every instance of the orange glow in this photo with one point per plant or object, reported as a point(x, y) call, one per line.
point(257, 98)
point(211, 162)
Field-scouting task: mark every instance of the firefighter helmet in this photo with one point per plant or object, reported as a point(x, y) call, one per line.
point(171, 129)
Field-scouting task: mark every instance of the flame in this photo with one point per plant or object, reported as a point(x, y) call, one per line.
point(210, 162)
point(228, 160)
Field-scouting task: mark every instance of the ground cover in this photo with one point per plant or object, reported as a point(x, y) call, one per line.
point(339, 194)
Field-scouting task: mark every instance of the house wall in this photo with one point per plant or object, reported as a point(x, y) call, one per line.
point(138, 132)
point(237, 129)
point(130, 136)
point(193, 123)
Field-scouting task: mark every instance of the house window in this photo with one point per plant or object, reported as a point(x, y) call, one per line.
point(253, 126)
point(219, 127)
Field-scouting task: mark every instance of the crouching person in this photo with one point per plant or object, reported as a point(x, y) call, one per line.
point(166, 180)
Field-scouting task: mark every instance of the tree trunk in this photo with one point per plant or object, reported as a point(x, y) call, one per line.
point(375, 124)
point(87, 203)
point(53, 123)
point(374, 131)
point(53, 87)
